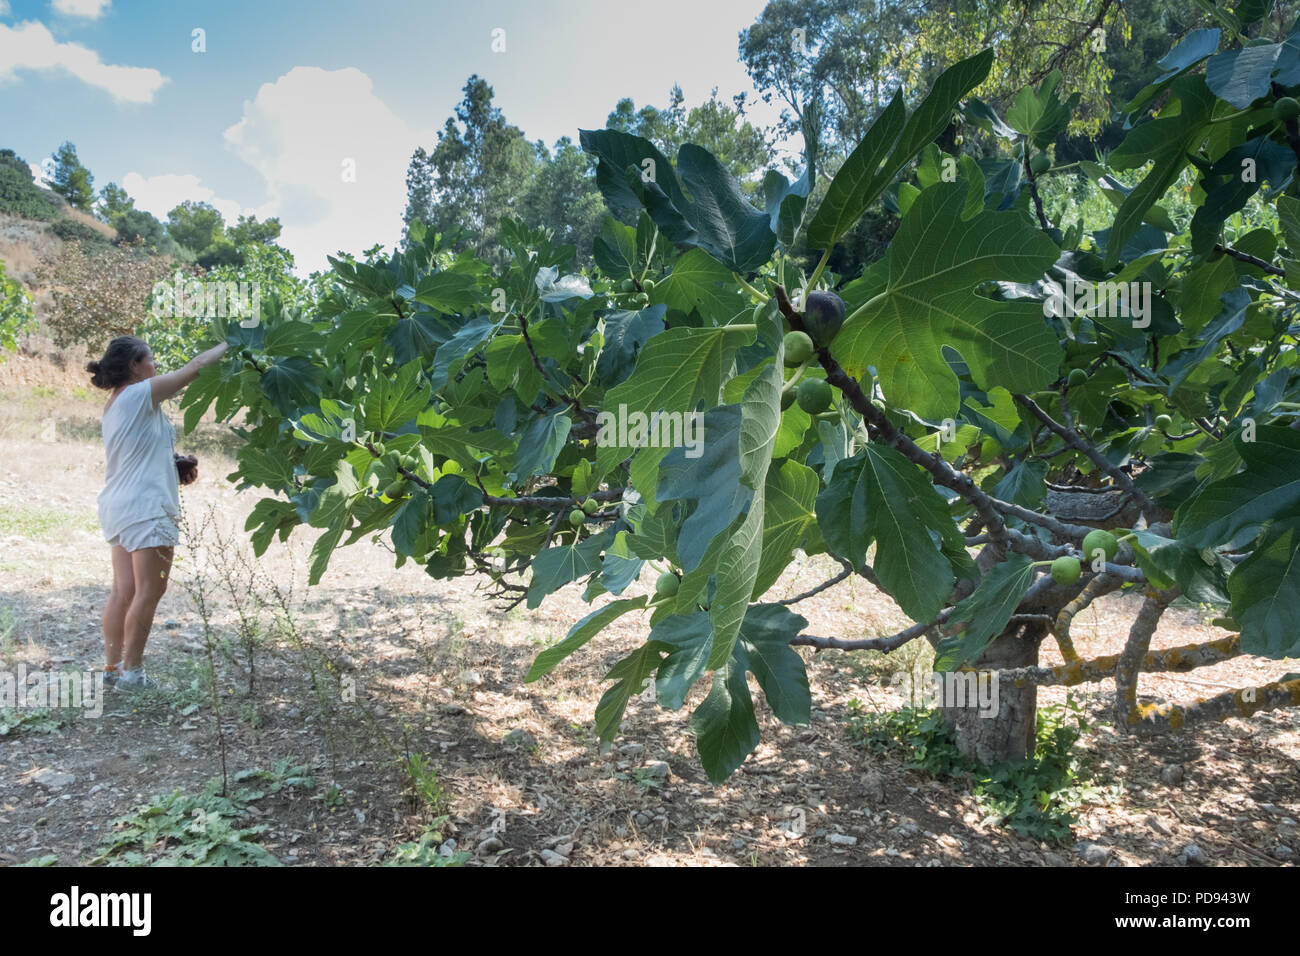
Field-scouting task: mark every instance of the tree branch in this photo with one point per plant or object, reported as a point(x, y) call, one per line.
point(942, 473)
point(1076, 441)
point(1173, 659)
point(1249, 259)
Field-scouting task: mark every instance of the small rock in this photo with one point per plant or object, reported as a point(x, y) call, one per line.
point(448, 848)
point(789, 787)
point(1054, 859)
point(489, 846)
point(1172, 775)
point(520, 738)
point(643, 819)
point(657, 770)
point(1193, 854)
point(873, 785)
point(472, 678)
point(842, 839)
point(632, 750)
point(53, 779)
point(346, 662)
point(1155, 823)
point(551, 858)
point(564, 849)
point(1282, 852)
point(1093, 854)
point(631, 853)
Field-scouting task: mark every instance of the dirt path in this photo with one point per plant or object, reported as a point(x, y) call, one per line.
point(437, 670)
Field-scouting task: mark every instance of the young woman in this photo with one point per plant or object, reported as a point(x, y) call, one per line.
point(140, 504)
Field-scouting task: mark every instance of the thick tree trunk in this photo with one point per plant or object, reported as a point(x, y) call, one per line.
point(1005, 732)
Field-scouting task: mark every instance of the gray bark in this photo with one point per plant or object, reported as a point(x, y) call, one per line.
point(1008, 734)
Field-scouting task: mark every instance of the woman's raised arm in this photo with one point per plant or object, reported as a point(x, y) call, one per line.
point(165, 386)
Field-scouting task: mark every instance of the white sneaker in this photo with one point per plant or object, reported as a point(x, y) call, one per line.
point(136, 680)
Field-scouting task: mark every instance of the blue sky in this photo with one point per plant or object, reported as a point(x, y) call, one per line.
point(288, 97)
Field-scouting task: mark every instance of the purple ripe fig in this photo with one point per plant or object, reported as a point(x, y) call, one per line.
point(822, 316)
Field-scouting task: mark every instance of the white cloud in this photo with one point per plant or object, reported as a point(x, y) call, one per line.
point(299, 132)
point(31, 46)
point(4, 8)
point(161, 194)
point(90, 9)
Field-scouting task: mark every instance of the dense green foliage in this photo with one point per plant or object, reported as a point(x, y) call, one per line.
point(467, 409)
point(20, 196)
point(15, 312)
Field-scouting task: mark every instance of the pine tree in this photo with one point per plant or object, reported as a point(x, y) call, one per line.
point(72, 180)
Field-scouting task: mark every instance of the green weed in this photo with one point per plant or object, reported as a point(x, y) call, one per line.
point(424, 852)
point(1034, 797)
point(179, 829)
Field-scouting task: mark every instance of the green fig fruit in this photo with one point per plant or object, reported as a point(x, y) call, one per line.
point(1077, 377)
point(647, 285)
point(1164, 422)
point(590, 506)
point(1097, 538)
point(813, 396)
point(1286, 108)
point(798, 349)
point(1066, 570)
point(667, 584)
point(1040, 164)
point(576, 517)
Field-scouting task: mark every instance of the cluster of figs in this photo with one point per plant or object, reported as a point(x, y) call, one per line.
point(823, 315)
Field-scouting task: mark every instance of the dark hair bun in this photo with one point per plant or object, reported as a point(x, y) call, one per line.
point(115, 367)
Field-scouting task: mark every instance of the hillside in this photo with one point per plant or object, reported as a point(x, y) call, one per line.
point(28, 247)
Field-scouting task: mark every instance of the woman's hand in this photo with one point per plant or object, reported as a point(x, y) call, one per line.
point(187, 469)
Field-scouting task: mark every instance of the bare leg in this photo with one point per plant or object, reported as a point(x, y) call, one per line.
point(151, 567)
point(118, 601)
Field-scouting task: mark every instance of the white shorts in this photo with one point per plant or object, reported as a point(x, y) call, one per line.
point(152, 533)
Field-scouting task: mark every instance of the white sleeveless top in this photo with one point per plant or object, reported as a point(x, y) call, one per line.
point(141, 482)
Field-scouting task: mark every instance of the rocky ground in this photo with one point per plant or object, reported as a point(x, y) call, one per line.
point(376, 664)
